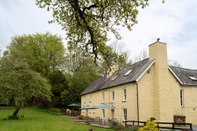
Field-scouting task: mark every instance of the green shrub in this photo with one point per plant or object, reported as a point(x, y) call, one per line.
point(13, 117)
point(118, 126)
point(81, 117)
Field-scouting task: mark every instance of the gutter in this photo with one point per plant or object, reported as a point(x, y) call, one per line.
point(137, 101)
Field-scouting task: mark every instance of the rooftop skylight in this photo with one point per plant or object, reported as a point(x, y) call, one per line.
point(128, 72)
point(193, 78)
point(113, 78)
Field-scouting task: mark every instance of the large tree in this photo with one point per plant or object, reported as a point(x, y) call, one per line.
point(19, 83)
point(59, 84)
point(44, 53)
point(89, 21)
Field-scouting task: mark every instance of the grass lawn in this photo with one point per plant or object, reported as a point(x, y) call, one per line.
point(39, 121)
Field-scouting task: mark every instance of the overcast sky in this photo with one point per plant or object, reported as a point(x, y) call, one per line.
point(174, 22)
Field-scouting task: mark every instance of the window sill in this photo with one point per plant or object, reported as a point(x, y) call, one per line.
point(124, 101)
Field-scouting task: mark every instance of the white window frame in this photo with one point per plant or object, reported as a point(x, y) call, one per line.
point(103, 113)
point(124, 93)
point(112, 96)
point(90, 98)
point(124, 114)
point(103, 97)
point(182, 98)
point(84, 99)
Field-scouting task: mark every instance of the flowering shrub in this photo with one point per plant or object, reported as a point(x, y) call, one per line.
point(150, 126)
point(133, 128)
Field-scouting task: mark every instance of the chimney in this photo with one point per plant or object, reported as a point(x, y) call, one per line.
point(158, 51)
point(113, 68)
point(161, 82)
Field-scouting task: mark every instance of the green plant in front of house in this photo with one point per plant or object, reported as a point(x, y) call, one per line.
point(150, 126)
point(81, 117)
point(118, 126)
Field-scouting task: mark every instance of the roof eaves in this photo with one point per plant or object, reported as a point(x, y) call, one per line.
point(153, 61)
point(175, 75)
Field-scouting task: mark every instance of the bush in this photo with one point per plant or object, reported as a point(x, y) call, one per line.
point(133, 128)
point(150, 126)
point(13, 117)
point(117, 126)
point(80, 117)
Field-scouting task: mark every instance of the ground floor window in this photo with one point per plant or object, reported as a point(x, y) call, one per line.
point(103, 113)
point(124, 114)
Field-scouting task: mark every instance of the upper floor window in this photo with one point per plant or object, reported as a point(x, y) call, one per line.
point(124, 94)
point(90, 97)
point(103, 97)
point(182, 97)
point(84, 99)
point(124, 114)
point(112, 96)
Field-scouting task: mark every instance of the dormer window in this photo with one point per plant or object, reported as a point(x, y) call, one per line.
point(128, 72)
point(193, 78)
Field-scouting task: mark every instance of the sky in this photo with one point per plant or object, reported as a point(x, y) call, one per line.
point(174, 22)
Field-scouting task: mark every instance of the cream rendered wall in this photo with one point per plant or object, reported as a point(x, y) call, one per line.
point(146, 96)
point(190, 100)
point(129, 104)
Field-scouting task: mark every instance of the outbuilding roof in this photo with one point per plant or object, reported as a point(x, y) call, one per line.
point(186, 77)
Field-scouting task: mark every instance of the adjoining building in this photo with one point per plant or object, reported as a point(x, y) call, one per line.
point(149, 88)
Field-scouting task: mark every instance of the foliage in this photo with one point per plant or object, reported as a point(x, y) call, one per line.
point(43, 53)
point(87, 22)
point(150, 126)
point(59, 84)
point(51, 110)
point(118, 126)
point(43, 101)
point(13, 117)
point(122, 54)
point(81, 117)
point(174, 63)
point(133, 128)
point(40, 121)
point(19, 83)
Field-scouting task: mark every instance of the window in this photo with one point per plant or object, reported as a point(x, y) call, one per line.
point(182, 97)
point(114, 77)
point(124, 94)
point(84, 99)
point(103, 97)
point(193, 78)
point(103, 113)
point(128, 72)
point(124, 114)
point(112, 96)
point(148, 71)
point(90, 97)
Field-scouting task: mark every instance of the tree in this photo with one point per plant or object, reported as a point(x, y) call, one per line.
point(141, 56)
point(88, 21)
point(174, 63)
point(123, 54)
point(59, 84)
point(44, 53)
point(20, 83)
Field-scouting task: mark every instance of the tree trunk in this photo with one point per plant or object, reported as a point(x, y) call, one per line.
point(16, 111)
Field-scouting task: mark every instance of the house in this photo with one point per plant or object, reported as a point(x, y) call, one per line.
point(149, 88)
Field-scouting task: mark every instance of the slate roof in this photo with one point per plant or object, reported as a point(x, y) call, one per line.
point(186, 77)
point(137, 70)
